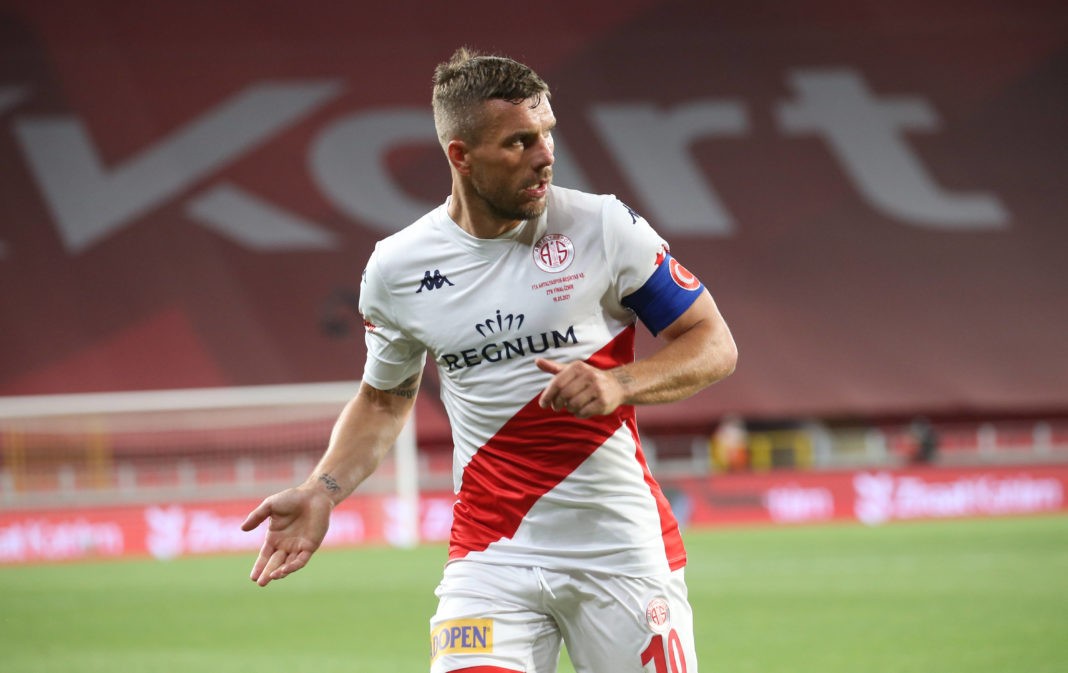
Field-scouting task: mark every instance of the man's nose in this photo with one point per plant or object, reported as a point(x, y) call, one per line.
point(544, 154)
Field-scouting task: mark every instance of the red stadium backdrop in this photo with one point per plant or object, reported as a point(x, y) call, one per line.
point(873, 498)
point(875, 192)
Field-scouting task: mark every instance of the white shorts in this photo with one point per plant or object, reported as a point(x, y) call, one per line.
point(504, 619)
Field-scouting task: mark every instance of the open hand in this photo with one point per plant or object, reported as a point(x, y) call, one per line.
point(299, 519)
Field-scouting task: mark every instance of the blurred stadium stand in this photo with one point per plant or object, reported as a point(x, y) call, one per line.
point(62, 451)
point(873, 192)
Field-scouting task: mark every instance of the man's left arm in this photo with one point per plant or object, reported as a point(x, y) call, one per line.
point(699, 351)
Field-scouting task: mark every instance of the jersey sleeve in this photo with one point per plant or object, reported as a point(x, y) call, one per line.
point(392, 355)
point(649, 281)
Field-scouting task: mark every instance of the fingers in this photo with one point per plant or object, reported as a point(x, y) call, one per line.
point(257, 516)
point(252, 521)
point(297, 562)
point(274, 569)
point(257, 574)
point(550, 397)
point(549, 366)
point(585, 404)
point(270, 557)
point(573, 397)
point(565, 384)
point(275, 564)
point(582, 410)
point(577, 388)
point(298, 523)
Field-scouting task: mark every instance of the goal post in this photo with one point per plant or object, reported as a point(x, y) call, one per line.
point(71, 450)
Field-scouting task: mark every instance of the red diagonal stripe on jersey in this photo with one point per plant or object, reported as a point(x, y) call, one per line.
point(669, 525)
point(526, 459)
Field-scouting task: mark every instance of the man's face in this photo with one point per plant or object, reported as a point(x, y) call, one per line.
point(511, 166)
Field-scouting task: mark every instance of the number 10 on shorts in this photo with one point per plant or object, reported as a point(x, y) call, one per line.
point(663, 649)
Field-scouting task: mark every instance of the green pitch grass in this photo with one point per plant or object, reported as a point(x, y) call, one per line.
point(947, 597)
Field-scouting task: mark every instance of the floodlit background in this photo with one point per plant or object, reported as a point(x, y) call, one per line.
point(873, 192)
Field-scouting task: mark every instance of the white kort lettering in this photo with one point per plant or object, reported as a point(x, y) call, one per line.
point(651, 145)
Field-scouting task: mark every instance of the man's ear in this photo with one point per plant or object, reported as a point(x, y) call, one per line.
point(459, 156)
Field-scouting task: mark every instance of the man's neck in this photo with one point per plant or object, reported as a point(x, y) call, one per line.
point(476, 220)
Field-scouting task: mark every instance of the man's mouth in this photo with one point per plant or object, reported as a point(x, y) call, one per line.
point(537, 190)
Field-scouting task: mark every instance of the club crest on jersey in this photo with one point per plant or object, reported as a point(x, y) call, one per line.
point(554, 253)
point(658, 616)
point(461, 636)
point(682, 276)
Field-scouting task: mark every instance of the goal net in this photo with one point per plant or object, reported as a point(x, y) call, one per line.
point(176, 445)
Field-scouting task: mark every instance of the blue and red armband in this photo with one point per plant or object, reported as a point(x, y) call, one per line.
point(665, 296)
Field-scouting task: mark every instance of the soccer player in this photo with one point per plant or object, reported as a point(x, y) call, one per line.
point(526, 296)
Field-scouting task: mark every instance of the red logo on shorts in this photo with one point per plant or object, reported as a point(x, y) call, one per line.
point(682, 276)
point(658, 616)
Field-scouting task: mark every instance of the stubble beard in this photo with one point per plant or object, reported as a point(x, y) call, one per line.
point(498, 203)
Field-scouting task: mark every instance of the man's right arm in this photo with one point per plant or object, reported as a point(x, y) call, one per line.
point(299, 517)
point(363, 434)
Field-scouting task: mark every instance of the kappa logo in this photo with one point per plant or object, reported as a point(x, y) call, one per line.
point(433, 282)
point(634, 216)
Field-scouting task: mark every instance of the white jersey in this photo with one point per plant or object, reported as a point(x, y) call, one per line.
point(533, 486)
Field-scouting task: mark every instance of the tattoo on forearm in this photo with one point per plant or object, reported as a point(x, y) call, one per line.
point(407, 389)
point(330, 483)
point(624, 378)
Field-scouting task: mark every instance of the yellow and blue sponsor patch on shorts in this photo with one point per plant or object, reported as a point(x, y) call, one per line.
point(461, 636)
